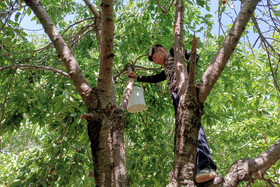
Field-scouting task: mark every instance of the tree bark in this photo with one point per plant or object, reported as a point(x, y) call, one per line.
point(108, 119)
point(101, 146)
point(121, 177)
point(179, 52)
point(187, 127)
point(128, 89)
point(190, 109)
point(105, 121)
point(107, 53)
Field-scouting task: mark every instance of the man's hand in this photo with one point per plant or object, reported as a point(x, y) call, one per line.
point(132, 75)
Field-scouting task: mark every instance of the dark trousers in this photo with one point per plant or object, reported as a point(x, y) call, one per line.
point(203, 158)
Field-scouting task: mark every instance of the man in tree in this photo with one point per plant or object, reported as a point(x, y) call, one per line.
point(205, 167)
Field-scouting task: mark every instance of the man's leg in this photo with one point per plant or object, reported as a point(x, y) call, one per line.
point(205, 167)
point(203, 159)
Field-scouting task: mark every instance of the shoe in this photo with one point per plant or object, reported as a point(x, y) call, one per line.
point(205, 175)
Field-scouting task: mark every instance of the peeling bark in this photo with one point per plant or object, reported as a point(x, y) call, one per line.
point(101, 146)
point(110, 142)
point(105, 130)
point(191, 85)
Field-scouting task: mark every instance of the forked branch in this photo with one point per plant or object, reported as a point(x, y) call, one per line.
point(161, 7)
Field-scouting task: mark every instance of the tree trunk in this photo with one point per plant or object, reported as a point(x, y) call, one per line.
point(105, 130)
point(101, 147)
point(190, 109)
point(188, 122)
point(105, 121)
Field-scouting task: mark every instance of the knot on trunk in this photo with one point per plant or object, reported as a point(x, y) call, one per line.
point(90, 117)
point(191, 101)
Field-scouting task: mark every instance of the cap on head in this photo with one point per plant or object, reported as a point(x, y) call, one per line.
point(153, 50)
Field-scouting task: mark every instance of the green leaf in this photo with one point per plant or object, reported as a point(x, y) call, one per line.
point(17, 16)
point(29, 11)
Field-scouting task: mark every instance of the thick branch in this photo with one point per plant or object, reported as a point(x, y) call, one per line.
point(243, 169)
point(218, 64)
point(107, 53)
point(179, 53)
point(64, 52)
point(26, 66)
point(92, 9)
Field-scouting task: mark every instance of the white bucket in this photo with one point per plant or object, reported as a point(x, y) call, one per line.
point(136, 102)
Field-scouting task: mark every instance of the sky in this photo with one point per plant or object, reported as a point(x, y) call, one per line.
point(232, 6)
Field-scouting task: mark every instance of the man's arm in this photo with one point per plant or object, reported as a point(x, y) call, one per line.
point(150, 79)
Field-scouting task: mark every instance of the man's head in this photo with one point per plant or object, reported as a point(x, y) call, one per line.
point(158, 54)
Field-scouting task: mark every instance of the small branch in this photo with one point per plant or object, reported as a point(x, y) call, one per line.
point(135, 68)
point(265, 43)
point(4, 103)
point(92, 9)
point(97, 16)
point(270, 14)
point(261, 35)
point(128, 90)
point(214, 70)
point(22, 52)
point(271, 182)
point(26, 66)
point(75, 24)
point(138, 59)
point(2, 14)
point(146, 69)
point(6, 55)
point(119, 74)
point(165, 11)
point(146, 126)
